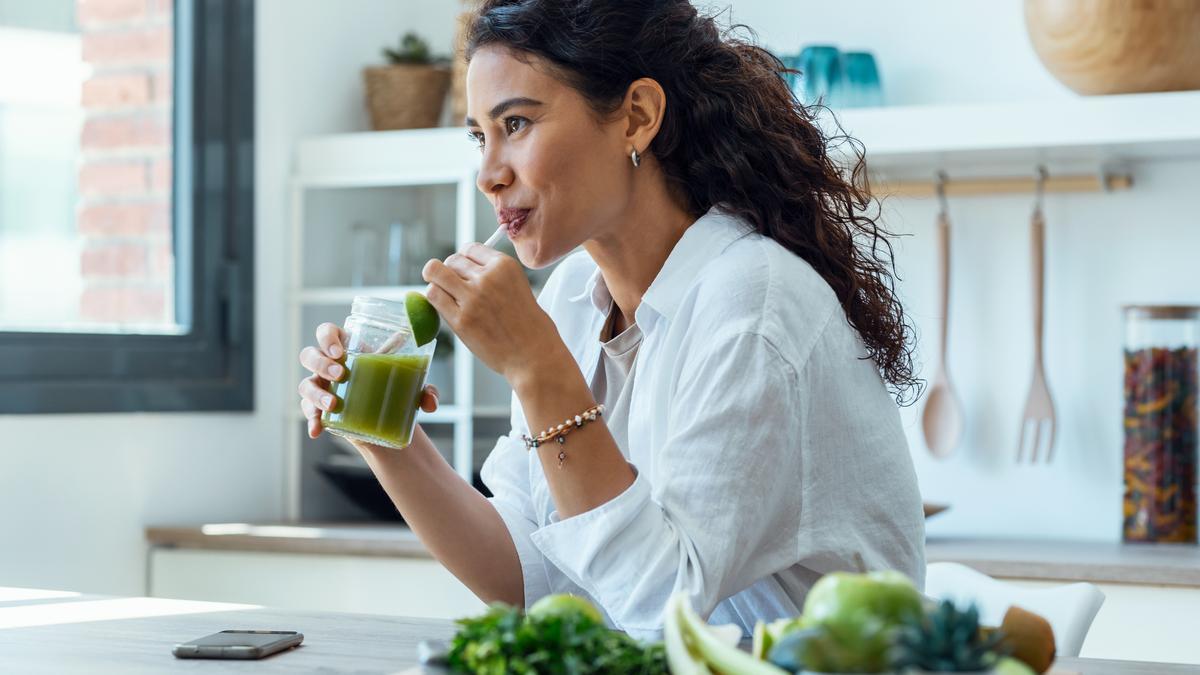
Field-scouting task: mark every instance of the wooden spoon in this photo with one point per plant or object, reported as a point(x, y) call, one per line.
point(942, 420)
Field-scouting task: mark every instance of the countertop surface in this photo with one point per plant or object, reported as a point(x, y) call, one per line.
point(1097, 562)
point(369, 539)
point(57, 632)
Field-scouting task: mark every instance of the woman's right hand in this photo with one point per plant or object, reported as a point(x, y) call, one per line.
point(326, 363)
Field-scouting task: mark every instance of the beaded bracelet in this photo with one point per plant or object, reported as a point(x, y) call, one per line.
point(559, 432)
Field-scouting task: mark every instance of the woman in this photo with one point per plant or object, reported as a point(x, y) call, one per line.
point(732, 310)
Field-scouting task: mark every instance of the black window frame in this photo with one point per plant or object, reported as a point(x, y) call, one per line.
point(211, 367)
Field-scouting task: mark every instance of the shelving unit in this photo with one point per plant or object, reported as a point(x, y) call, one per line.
point(344, 295)
point(396, 174)
point(1086, 135)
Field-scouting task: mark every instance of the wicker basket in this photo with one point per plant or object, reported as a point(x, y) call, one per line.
point(405, 96)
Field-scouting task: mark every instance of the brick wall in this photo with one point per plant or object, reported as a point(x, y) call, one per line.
point(124, 218)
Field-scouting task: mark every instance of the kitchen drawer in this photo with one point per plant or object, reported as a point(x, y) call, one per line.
point(417, 587)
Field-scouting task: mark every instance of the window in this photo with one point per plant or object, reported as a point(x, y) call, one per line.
point(126, 205)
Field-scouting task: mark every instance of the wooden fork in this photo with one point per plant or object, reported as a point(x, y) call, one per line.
point(1038, 425)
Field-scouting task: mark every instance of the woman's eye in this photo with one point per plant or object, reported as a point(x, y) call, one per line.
point(514, 124)
point(477, 137)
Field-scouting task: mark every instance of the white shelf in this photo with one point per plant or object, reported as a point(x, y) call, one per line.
point(344, 295)
point(386, 158)
point(1072, 130)
point(446, 414)
point(492, 411)
point(330, 295)
point(1080, 130)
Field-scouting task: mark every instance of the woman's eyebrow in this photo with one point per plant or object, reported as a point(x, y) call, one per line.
point(501, 107)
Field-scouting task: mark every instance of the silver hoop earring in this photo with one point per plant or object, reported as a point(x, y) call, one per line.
point(637, 158)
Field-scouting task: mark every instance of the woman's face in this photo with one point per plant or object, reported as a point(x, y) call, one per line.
point(555, 174)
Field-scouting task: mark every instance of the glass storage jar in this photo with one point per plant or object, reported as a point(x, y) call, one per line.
point(1161, 423)
point(380, 394)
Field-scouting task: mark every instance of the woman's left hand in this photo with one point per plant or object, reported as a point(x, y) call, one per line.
point(485, 297)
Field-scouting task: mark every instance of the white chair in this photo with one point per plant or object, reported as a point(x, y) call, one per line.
point(1069, 608)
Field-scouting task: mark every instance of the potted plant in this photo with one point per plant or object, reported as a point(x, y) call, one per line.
point(408, 92)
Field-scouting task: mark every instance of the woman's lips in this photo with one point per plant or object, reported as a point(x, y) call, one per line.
point(512, 219)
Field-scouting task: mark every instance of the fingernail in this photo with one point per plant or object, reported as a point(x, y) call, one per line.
point(327, 402)
point(335, 351)
point(335, 371)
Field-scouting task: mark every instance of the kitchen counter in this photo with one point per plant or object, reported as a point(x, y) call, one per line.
point(1096, 562)
point(362, 539)
point(50, 631)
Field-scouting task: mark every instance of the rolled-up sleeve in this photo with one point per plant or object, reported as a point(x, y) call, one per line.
point(723, 508)
point(506, 474)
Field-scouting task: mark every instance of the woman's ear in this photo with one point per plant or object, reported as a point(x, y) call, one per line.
point(644, 107)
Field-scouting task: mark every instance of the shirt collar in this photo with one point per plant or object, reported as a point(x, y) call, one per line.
point(702, 241)
point(595, 289)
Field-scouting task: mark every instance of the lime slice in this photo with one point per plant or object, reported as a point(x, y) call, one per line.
point(422, 317)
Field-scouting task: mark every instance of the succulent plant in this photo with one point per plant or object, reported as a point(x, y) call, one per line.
point(946, 639)
point(413, 49)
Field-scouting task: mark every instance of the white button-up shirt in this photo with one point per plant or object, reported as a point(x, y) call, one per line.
point(767, 449)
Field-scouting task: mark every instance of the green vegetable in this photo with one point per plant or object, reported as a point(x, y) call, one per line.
point(682, 655)
point(505, 640)
point(706, 648)
point(766, 634)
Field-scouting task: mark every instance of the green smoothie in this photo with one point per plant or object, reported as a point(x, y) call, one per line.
point(379, 399)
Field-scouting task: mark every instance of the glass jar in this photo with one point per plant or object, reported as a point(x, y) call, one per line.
point(380, 394)
point(1161, 423)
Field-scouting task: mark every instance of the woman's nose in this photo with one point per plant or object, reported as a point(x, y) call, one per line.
point(494, 173)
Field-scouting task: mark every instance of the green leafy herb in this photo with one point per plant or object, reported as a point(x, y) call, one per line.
point(504, 640)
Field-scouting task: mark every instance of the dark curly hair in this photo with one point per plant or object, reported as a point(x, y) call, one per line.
point(733, 134)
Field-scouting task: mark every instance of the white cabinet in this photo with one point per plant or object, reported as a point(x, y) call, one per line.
point(1142, 623)
point(366, 211)
point(417, 587)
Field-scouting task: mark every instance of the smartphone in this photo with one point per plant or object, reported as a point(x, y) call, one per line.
point(239, 644)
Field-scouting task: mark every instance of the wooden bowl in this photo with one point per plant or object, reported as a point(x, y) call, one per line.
point(1118, 46)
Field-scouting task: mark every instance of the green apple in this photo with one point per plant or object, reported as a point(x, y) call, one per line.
point(564, 605)
point(1010, 666)
point(844, 597)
